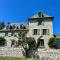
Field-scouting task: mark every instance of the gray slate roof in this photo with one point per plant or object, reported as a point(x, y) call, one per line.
point(41, 15)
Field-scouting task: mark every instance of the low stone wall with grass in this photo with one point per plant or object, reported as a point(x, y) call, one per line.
point(44, 54)
point(11, 52)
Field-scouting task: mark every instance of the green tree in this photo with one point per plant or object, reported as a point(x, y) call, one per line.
point(22, 35)
point(22, 40)
point(31, 42)
point(52, 42)
point(2, 25)
point(2, 41)
point(28, 43)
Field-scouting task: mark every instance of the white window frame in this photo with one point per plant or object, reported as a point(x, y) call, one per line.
point(37, 32)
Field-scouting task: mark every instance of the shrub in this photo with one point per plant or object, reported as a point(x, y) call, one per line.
point(2, 41)
point(52, 42)
point(2, 25)
point(31, 42)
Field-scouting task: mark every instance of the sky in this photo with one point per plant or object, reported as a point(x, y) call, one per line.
point(18, 11)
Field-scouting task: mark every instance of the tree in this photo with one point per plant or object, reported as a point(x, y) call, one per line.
point(28, 43)
point(2, 41)
point(22, 40)
point(52, 42)
point(21, 35)
point(31, 42)
point(2, 25)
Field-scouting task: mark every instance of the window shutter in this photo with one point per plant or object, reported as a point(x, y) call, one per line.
point(47, 31)
point(33, 32)
point(38, 31)
point(41, 31)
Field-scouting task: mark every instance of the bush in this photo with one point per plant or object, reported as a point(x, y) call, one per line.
point(31, 42)
point(29, 45)
point(2, 41)
point(2, 25)
point(52, 42)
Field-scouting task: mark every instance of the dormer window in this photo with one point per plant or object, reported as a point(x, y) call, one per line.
point(40, 14)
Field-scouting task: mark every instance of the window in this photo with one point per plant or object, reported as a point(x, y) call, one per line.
point(39, 22)
point(36, 32)
point(41, 42)
point(6, 34)
point(15, 34)
point(12, 34)
point(45, 32)
point(9, 34)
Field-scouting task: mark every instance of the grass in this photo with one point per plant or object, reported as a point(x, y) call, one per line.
point(14, 58)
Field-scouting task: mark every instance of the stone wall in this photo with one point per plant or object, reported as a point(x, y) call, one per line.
point(11, 52)
point(44, 54)
point(50, 54)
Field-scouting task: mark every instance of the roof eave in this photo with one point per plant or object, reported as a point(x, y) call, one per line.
point(13, 30)
point(40, 18)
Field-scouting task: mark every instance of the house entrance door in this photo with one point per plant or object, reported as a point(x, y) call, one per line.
point(40, 43)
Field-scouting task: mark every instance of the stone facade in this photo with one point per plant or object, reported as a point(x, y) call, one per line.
point(43, 26)
point(39, 26)
point(10, 33)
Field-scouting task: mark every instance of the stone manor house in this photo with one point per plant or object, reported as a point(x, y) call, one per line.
point(39, 26)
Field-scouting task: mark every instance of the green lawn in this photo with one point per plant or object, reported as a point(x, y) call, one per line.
point(14, 58)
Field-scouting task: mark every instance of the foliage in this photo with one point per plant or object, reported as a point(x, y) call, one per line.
point(22, 34)
point(54, 35)
point(2, 25)
point(2, 41)
point(21, 37)
point(31, 42)
point(28, 43)
point(52, 43)
point(19, 42)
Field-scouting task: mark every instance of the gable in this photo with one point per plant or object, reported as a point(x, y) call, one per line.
point(40, 15)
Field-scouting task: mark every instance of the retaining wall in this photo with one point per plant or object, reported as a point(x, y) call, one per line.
point(50, 54)
point(11, 52)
